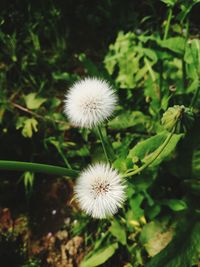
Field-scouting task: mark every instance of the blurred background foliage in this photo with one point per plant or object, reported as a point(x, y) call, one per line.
point(150, 52)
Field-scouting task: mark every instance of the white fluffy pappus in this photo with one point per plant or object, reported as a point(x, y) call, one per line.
point(89, 102)
point(100, 190)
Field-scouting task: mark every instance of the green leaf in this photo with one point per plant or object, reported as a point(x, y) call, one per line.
point(153, 211)
point(175, 44)
point(61, 76)
point(183, 250)
point(28, 181)
point(100, 256)
point(135, 214)
point(128, 119)
point(118, 231)
point(147, 146)
point(89, 66)
point(166, 152)
point(175, 204)
point(146, 149)
point(155, 236)
point(32, 101)
point(169, 2)
point(28, 125)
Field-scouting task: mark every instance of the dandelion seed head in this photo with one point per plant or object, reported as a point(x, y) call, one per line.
point(100, 191)
point(89, 102)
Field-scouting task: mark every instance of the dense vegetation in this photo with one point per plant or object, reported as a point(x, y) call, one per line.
point(150, 53)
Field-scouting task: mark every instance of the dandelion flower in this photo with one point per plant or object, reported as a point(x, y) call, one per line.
point(89, 102)
point(100, 190)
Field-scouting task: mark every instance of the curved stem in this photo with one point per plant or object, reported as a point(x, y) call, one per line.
point(159, 151)
point(36, 167)
point(103, 143)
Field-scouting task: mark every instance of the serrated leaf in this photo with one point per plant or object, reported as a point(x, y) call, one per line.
point(32, 101)
point(99, 257)
point(28, 125)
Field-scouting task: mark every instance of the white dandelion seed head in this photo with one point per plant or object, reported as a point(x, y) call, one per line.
point(89, 102)
point(100, 190)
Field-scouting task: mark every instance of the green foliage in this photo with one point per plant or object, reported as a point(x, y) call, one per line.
point(28, 178)
point(155, 236)
point(100, 256)
point(118, 231)
point(152, 59)
point(32, 101)
point(28, 126)
point(183, 249)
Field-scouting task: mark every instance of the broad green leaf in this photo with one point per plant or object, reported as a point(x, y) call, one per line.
point(118, 231)
point(147, 149)
point(32, 101)
point(147, 146)
point(100, 256)
point(155, 236)
point(192, 58)
point(175, 204)
point(175, 44)
point(167, 151)
point(151, 54)
point(183, 250)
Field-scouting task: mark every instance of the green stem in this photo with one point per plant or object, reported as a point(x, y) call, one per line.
point(184, 73)
point(36, 167)
point(168, 24)
point(64, 158)
point(103, 143)
point(159, 151)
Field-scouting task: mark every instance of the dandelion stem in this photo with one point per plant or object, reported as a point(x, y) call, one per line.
point(103, 143)
point(36, 167)
point(159, 151)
